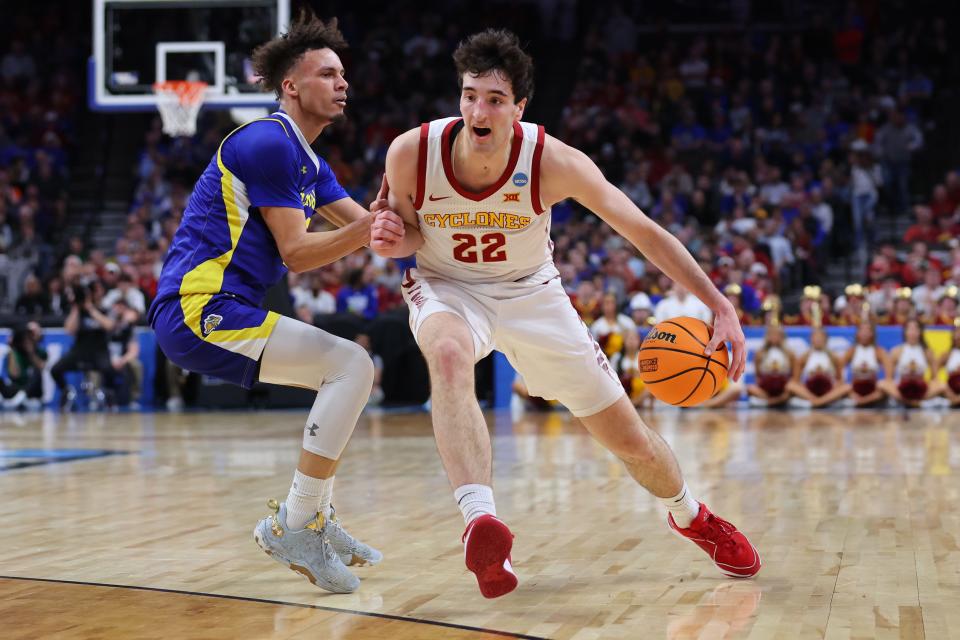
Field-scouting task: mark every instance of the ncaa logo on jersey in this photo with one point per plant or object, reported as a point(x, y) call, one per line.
point(520, 179)
point(210, 323)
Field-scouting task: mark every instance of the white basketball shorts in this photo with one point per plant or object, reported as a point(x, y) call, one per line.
point(534, 325)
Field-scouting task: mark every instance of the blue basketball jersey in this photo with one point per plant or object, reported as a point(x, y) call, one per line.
point(223, 244)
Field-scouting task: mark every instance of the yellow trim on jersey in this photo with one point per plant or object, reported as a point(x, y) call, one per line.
point(207, 276)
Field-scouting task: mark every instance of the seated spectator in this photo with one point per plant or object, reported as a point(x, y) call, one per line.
point(941, 204)
point(946, 312)
point(923, 230)
point(311, 299)
point(90, 329)
point(948, 228)
point(22, 378)
point(774, 188)
point(902, 309)
point(33, 301)
point(679, 302)
point(952, 184)
point(358, 296)
point(127, 291)
point(641, 310)
point(124, 355)
point(586, 301)
point(926, 295)
point(918, 261)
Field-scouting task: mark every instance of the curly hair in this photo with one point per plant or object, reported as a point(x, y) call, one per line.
point(496, 49)
point(274, 59)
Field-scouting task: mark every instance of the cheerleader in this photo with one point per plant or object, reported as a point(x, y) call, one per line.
point(626, 364)
point(950, 362)
point(818, 375)
point(906, 379)
point(774, 366)
point(865, 360)
point(611, 327)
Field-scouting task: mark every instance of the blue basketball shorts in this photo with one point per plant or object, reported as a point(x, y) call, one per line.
point(217, 335)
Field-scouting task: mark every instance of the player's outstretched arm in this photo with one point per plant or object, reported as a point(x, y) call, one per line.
point(302, 251)
point(569, 173)
point(391, 240)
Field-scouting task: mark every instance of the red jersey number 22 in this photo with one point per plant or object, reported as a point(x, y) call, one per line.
point(492, 247)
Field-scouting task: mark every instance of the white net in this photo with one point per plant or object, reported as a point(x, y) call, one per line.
point(179, 103)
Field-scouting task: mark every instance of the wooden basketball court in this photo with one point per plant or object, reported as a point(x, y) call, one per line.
point(139, 526)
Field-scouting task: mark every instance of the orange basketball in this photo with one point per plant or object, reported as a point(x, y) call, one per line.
point(674, 367)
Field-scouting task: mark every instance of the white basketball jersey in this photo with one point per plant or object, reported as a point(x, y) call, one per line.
point(499, 235)
point(864, 360)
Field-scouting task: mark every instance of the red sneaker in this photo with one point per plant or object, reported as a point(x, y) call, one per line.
point(727, 547)
point(487, 543)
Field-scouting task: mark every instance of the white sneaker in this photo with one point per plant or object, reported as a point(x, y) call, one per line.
point(352, 552)
point(307, 551)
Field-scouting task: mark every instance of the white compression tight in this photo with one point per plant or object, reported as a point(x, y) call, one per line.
point(300, 355)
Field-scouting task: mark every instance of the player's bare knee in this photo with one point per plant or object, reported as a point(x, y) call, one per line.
point(449, 360)
point(636, 447)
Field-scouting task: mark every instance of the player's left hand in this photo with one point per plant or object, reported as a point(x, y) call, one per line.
point(726, 328)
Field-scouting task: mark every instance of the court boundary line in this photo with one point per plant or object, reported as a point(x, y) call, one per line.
point(370, 614)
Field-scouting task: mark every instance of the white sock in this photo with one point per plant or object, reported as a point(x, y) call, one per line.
point(474, 501)
point(303, 501)
point(326, 496)
point(682, 507)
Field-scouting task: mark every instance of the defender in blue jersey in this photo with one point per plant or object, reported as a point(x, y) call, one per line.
point(244, 226)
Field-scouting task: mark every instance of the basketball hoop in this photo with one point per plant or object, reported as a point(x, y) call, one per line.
point(179, 102)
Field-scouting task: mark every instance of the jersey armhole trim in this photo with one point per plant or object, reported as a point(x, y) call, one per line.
point(422, 166)
point(535, 171)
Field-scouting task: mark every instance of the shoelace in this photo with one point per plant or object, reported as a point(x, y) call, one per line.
point(719, 530)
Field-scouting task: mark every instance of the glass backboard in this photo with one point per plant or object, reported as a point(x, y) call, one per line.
point(140, 42)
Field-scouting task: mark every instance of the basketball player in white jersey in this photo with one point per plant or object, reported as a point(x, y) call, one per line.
point(475, 194)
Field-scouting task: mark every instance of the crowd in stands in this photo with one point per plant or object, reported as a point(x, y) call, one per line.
point(40, 92)
point(769, 154)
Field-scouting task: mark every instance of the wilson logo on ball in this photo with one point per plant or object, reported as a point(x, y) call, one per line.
point(663, 335)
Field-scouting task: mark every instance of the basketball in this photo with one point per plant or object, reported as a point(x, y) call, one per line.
point(673, 366)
